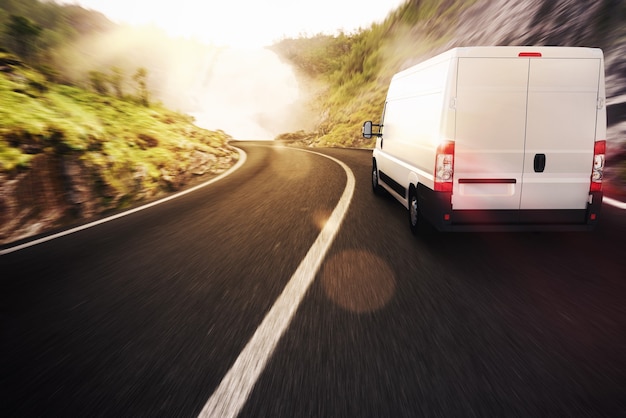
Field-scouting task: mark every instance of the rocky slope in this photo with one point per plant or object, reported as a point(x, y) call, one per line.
point(68, 155)
point(60, 190)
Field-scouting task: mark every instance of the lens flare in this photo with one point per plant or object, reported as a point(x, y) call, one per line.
point(358, 281)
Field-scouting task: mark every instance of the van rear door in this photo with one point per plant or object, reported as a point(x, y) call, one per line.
point(490, 132)
point(560, 132)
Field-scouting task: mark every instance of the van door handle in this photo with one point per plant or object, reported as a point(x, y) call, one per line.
point(540, 163)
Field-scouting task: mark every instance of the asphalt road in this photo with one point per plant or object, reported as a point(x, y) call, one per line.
point(145, 315)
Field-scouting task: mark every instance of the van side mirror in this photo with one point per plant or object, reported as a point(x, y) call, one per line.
point(368, 130)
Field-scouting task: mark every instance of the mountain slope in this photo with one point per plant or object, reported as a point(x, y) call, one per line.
point(356, 77)
point(67, 155)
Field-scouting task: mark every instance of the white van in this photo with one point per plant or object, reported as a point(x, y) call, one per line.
point(495, 138)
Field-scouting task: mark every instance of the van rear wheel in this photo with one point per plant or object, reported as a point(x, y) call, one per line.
point(414, 211)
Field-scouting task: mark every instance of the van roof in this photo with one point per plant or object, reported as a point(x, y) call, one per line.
point(534, 52)
point(538, 52)
point(515, 51)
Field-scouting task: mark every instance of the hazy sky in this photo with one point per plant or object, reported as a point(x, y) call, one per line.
point(249, 23)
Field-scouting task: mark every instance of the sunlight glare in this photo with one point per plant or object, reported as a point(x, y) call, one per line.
point(245, 23)
point(358, 281)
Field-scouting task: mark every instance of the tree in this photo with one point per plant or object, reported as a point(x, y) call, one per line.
point(117, 80)
point(24, 34)
point(98, 81)
point(140, 77)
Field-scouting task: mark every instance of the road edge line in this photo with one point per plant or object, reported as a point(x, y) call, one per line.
point(239, 164)
point(235, 387)
point(614, 202)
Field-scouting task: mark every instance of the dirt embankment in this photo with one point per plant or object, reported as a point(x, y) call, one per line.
point(57, 191)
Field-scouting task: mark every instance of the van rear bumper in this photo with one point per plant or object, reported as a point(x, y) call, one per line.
point(436, 207)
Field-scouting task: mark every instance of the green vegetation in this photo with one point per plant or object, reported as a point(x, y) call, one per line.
point(24, 34)
point(45, 35)
point(111, 136)
point(356, 68)
point(80, 137)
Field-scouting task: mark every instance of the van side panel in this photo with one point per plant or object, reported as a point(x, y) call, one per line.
point(409, 125)
point(561, 129)
point(490, 129)
point(412, 126)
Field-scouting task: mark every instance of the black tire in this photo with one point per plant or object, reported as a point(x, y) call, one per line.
point(414, 212)
point(376, 187)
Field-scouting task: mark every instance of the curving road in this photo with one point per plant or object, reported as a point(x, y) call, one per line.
point(146, 315)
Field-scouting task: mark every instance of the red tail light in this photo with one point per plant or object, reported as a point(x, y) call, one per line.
point(444, 167)
point(599, 152)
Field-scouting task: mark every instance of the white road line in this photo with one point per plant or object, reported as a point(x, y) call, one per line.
point(614, 202)
point(242, 160)
point(236, 386)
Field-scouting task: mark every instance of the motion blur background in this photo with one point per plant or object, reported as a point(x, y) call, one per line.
point(308, 74)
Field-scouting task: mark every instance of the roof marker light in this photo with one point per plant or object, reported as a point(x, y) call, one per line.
point(530, 54)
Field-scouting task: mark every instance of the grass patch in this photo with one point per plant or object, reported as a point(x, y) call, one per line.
point(128, 148)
